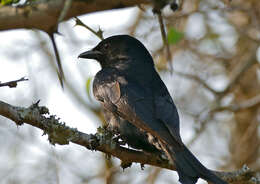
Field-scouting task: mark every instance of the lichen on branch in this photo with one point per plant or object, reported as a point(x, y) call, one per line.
point(59, 133)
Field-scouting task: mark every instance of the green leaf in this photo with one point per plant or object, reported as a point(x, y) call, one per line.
point(174, 36)
point(9, 2)
point(213, 36)
point(88, 87)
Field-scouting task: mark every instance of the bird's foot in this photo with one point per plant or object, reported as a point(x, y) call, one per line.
point(119, 140)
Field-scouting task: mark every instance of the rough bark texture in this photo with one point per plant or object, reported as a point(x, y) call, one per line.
point(44, 14)
point(59, 133)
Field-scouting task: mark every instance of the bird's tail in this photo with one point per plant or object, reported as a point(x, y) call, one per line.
point(190, 169)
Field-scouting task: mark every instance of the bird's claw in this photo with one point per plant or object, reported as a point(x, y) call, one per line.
point(118, 139)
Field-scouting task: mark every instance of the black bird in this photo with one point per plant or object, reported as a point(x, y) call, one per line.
point(139, 105)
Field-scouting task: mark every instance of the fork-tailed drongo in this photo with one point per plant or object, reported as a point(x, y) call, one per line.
point(139, 105)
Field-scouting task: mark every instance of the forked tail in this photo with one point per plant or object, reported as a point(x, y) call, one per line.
point(190, 169)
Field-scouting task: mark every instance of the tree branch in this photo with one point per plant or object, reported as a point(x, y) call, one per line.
point(44, 14)
point(252, 102)
point(165, 41)
point(196, 79)
point(59, 133)
point(13, 84)
point(98, 33)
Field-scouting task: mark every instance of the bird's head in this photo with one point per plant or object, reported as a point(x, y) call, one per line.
point(118, 51)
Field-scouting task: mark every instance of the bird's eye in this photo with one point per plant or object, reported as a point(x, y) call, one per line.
point(106, 45)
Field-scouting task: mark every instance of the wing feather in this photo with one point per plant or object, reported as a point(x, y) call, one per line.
point(138, 105)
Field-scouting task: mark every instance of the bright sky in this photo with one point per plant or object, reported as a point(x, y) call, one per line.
point(21, 42)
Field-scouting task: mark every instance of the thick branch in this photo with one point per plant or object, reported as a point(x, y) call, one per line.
point(59, 133)
point(44, 14)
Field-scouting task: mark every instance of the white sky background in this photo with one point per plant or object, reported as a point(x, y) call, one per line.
point(21, 42)
point(22, 56)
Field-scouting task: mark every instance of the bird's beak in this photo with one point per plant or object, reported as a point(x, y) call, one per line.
point(91, 54)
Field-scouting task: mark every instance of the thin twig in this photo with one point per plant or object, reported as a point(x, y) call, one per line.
point(203, 125)
point(197, 79)
point(151, 178)
point(57, 56)
point(98, 33)
point(239, 70)
point(13, 84)
point(138, 19)
point(165, 41)
point(254, 101)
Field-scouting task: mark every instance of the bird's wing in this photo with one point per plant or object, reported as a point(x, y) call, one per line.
point(107, 93)
point(138, 106)
point(167, 113)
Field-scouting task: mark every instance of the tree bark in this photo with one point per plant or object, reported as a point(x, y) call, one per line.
point(44, 14)
point(59, 133)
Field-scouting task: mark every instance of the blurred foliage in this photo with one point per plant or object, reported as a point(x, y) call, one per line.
point(15, 2)
point(174, 36)
point(8, 2)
